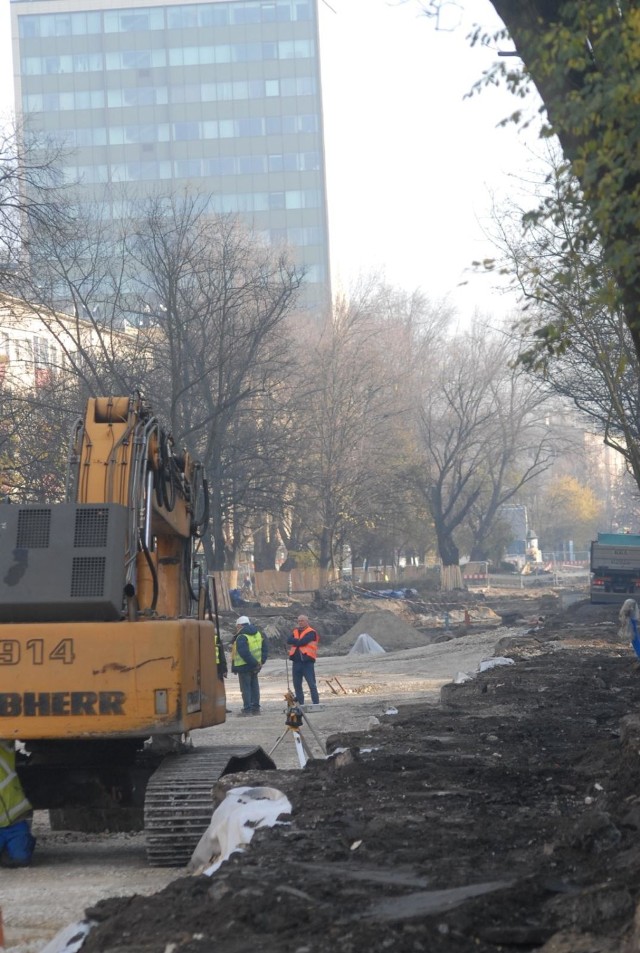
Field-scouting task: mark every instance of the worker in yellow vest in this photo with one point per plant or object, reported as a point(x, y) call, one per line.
point(249, 652)
point(16, 840)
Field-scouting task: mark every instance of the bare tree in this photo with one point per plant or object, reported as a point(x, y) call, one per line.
point(353, 398)
point(215, 303)
point(482, 436)
point(31, 193)
point(564, 283)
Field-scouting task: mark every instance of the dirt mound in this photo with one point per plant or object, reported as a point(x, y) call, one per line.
point(504, 820)
point(584, 612)
point(388, 629)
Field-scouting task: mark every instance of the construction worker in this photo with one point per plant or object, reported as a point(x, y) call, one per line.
point(16, 841)
point(249, 652)
point(303, 653)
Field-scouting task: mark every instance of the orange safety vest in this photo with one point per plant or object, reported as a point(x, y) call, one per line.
point(310, 649)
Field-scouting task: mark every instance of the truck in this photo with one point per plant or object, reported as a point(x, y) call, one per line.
point(110, 653)
point(615, 567)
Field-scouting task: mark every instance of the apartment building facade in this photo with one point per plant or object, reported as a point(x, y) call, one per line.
point(221, 97)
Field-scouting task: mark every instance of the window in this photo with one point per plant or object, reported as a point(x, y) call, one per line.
point(94, 136)
point(250, 127)
point(308, 124)
point(223, 165)
point(40, 351)
point(306, 86)
point(248, 14)
point(28, 26)
point(85, 23)
point(272, 87)
point(88, 99)
point(137, 96)
point(255, 90)
point(246, 52)
point(315, 274)
point(251, 165)
point(276, 200)
point(295, 49)
point(125, 21)
point(225, 91)
point(178, 17)
point(87, 62)
point(185, 94)
point(136, 59)
point(56, 26)
point(303, 11)
point(213, 16)
point(184, 131)
point(32, 103)
point(187, 168)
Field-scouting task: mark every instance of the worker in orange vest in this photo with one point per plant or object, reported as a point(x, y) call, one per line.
point(303, 652)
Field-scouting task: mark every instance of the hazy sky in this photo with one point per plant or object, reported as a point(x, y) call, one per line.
point(412, 165)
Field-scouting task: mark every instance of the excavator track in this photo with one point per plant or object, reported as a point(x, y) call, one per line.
point(179, 804)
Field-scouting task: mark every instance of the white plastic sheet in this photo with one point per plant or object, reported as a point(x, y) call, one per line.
point(494, 663)
point(365, 644)
point(70, 938)
point(243, 811)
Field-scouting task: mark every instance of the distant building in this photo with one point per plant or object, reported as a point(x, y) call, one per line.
point(219, 97)
point(38, 346)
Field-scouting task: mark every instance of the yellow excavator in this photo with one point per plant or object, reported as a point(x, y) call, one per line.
point(110, 652)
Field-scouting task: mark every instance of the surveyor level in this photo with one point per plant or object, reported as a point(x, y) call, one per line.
point(293, 724)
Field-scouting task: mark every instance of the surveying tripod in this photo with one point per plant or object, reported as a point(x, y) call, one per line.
point(293, 723)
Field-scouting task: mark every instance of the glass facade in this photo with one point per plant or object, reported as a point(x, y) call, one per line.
point(221, 96)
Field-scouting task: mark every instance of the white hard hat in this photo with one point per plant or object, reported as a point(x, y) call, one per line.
point(243, 620)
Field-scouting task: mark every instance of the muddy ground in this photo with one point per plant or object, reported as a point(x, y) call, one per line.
point(506, 818)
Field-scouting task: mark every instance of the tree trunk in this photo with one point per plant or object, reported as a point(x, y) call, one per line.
point(265, 548)
point(217, 528)
point(325, 558)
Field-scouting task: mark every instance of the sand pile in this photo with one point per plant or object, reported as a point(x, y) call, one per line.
point(391, 632)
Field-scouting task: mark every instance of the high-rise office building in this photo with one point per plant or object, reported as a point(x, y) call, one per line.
point(219, 96)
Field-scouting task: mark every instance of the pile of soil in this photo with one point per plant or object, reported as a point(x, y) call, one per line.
point(388, 629)
point(505, 819)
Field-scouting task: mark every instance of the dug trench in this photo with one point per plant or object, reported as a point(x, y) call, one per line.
point(506, 818)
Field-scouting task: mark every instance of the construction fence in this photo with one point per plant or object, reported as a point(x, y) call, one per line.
point(470, 575)
point(302, 581)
